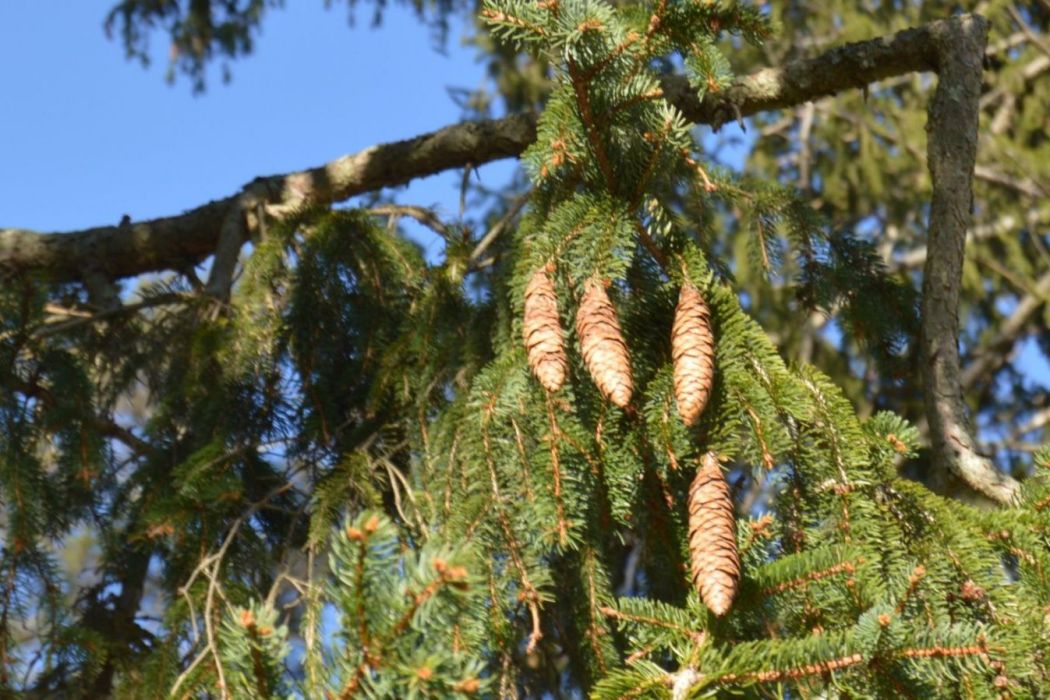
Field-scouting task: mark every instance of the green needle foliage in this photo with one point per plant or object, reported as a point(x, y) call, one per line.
point(346, 483)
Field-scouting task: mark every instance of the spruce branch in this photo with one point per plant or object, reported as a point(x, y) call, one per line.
point(529, 595)
point(847, 567)
point(698, 637)
point(773, 676)
point(552, 438)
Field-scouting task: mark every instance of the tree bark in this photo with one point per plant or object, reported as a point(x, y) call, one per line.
point(951, 154)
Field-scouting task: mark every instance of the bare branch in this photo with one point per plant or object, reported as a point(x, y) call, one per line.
point(1002, 226)
point(427, 217)
point(994, 353)
point(951, 154)
point(232, 235)
point(497, 228)
point(177, 241)
point(1027, 187)
point(174, 242)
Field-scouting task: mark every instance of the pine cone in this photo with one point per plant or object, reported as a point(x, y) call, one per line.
point(692, 349)
point(601, 343)
point(544, 341)
point(712, 537)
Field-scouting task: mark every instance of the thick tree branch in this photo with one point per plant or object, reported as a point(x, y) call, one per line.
point(951, 154)
point(173, 242)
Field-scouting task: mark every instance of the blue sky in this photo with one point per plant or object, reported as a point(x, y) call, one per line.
point(89, 136)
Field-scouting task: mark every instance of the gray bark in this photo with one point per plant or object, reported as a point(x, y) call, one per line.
point(951, 154)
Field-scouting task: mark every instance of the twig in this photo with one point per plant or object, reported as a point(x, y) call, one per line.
point(425, 216)
point(498, 228)
point(209, 567)
point(992, 354)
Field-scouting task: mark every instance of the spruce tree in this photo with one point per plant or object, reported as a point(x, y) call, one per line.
point(368, 474)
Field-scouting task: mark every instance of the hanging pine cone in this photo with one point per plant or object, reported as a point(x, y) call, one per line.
point(601, 343)
point(712, 537)
point(692, 349)
point(544, 342)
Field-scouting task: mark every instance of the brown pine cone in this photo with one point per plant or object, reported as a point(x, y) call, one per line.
point(712, 537)
point(693, 352)
point(602, 346)
point(544, 341)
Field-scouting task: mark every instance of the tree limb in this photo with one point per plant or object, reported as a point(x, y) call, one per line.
point(951, 155)
point(993, 354)
point(175, 241)
point(1007, 224)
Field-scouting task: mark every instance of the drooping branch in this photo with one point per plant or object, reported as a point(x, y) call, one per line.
point(952, 47)
point(173, 242)
point(951, 154)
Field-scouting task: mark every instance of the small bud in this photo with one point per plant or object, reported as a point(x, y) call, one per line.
point(372, 525)
point(468, 686)
point(354, 534)
point(247, 618)
point(971, 591)
point(896, 443)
